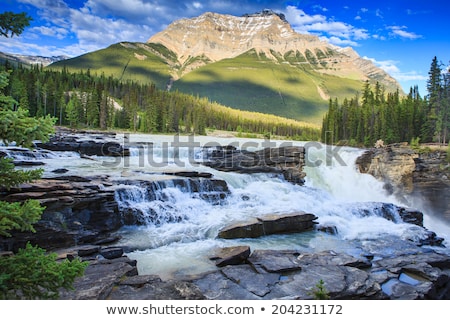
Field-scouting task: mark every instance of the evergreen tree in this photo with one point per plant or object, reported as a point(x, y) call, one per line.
point(31, 273)
point(430, 127)
point(12, 24)
point(17, 279)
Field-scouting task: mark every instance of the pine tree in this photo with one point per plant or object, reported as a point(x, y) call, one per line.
point(430, 127)
point(18, 280)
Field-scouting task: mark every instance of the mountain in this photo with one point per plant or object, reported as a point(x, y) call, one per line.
point(215, 37)
point(256, 62)
point(28, 60)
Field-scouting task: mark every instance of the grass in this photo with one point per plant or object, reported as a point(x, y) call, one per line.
point(253, 82)
point(126, 61)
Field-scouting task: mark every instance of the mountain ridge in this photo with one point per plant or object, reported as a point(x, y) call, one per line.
point(256, 62)
point(218, 36)
point(30, 59)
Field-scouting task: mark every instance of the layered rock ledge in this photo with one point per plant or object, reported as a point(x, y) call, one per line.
point(287, 161)
point(89, 143)
point(421, 178)
point(81, 210)
point(268, 225)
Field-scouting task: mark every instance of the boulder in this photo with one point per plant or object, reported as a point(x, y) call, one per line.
point(89, 143)
point(268, 225)
point(287, 222)
point(278, 261)
point(231, 256)
point(249, 229)
point(287, 161)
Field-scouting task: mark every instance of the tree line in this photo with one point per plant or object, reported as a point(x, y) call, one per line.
point(83, 99)
point(30, 273)
point(374, 115)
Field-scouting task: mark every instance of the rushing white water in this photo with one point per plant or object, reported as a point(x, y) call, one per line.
point(181, 227)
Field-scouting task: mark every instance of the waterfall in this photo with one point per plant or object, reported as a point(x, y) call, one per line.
point(181, 226)
point(24, 154)
point(167, 200)
point(172, 221)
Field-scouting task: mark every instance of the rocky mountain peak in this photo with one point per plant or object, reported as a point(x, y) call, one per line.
point(212, 37)
point(217, 36)
point(265, 13)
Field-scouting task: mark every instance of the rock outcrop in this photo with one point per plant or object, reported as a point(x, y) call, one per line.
point(77, 210)
point(393, 164)
point(116, 277)
point(270, 224)
point(421, 178)
point(92, 144)
point(81, 210)
point(286, 161)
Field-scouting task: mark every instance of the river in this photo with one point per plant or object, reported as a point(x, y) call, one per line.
point(179, 241)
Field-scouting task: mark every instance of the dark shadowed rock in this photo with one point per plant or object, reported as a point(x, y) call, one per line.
point(288, 222)
point(111, 252)
point(268, 225)
point(287, 161)
point(327, 229)
point(231, 255)
point(99, 279)
point(250, 229)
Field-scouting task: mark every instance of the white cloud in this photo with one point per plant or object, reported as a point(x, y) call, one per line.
point(378, 13)
point(402, 33)
point(335, 32)
point(390, 66)
point(197, 5)
point(57, 32)
point(340, 42)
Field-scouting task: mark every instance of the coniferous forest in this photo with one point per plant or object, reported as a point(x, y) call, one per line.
point(85, 100)
point(363, 120)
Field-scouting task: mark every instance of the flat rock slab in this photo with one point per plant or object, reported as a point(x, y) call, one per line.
point(259, 284)
point(99, 279)
point(268, 225)
point(152, 288)
point(252, 228)
point(217, 286)
point(275, 260)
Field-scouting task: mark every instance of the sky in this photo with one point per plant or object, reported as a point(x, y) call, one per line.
point(402, 37)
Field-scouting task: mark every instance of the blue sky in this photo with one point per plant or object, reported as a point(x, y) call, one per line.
point(402, 37)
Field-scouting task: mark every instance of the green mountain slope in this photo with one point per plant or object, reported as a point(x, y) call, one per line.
point(290, 86)
point(141, 62)
point(254, 82)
